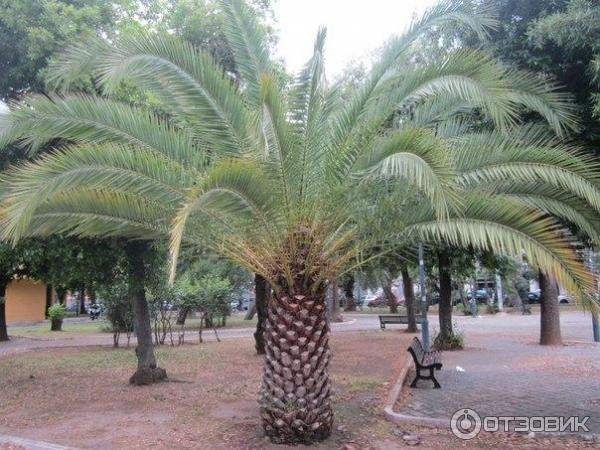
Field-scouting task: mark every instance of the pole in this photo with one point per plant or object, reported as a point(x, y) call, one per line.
point(499, 291)
point(595, 322)
point(424, 321)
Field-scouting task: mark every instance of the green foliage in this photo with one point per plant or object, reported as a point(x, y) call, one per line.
point(31, 31)
point(210, 294)
point(455, 341)
point(57, 312)
point(119, 310)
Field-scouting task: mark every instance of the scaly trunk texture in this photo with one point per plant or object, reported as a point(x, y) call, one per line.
point(349, 293)
point(549, 316)
point(445, 306)
point(409, 301)
point(261, 296)
point(389, 295)
point(3, 329)
point(147, 371)
point(295, 395)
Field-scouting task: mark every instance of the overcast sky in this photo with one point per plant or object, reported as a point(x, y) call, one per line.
point(354, 28)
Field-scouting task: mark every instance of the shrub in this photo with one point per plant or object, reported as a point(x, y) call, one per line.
point(456, 341)
point(57, 312)
point(119, 311)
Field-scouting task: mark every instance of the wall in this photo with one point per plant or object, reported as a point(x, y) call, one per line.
point(25, 301)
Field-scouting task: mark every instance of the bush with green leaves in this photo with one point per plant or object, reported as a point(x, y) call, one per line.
point(211, 295)
point(57, 312)
point(119, 311)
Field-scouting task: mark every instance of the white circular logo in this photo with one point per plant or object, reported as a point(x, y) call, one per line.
point(465, 424)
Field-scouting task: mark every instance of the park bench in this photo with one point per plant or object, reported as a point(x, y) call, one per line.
point(392, 318)
point(424, 361)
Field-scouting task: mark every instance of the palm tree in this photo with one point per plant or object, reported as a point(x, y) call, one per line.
point(267, 174)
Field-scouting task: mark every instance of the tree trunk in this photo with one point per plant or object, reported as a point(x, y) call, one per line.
point(445, 306)
point(48, 298)
point(349, 293)
point(261, 296)
point(409, 301)
point(3, 329)
point(389, 295)
point(82, 301)
point(182, 315)
point(251, 311)
point(147, 371)
point(335, 310)
point(295, 395)
point(549, 317)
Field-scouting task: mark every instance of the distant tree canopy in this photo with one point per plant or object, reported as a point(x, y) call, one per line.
point(560, 38)
point(31, 30)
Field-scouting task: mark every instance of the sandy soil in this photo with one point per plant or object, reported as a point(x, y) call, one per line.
point(80, 397)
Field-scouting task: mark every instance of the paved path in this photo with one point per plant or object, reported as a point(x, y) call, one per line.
point(354, 322)
point(505, 372)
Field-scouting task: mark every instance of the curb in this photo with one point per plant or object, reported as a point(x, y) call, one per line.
point(398, 418)
point(32, 445)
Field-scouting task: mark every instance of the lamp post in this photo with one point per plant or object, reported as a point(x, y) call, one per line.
point(424, 321)
point(499, 292)
point(595, 322)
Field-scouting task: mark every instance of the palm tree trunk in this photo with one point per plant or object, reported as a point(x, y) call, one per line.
point(409, 301)
point(445, 306)
point(295, 395)
point(550, 315)
point(147, 371)
point(389, 295)
point(349, 293)
point(261, 295)
point(3, 329)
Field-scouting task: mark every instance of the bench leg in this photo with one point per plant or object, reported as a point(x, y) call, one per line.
point(414, 383)
point(432, 376)
point(382, 325)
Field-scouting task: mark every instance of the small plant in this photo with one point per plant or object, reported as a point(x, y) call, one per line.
point(492, 308)
point(454, 341)
point(56, 313)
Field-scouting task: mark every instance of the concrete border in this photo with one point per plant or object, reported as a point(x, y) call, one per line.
point(32, 445)
point(432, 422)
point(398, 418)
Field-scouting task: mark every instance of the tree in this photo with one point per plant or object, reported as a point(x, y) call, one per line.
point(263, 174)
point(409, 300)
point(147, 370)
point(549, 316)
point(31, 31)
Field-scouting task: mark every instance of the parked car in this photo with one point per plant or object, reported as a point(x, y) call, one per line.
point(481, 295)
point(536, 297)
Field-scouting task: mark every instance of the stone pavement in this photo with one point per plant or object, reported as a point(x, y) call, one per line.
point(503, 371)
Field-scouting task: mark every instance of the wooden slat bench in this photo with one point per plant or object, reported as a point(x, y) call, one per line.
point(392, 318)
point(424, 361)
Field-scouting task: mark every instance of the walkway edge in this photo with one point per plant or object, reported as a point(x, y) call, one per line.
point(395, 392)
point(32, 445)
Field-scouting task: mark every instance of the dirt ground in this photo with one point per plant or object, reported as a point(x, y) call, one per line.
point(80, 397)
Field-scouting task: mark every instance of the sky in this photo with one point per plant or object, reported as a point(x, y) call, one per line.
point(355, 28)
